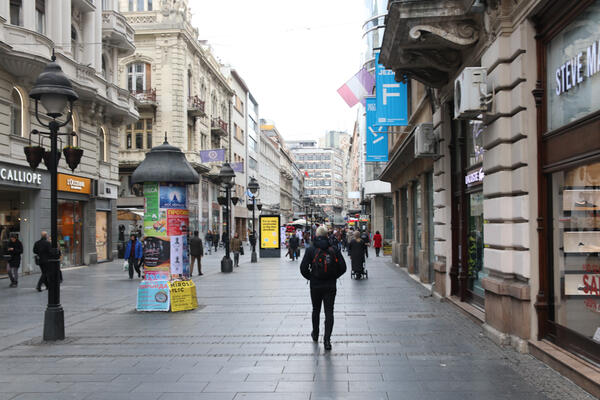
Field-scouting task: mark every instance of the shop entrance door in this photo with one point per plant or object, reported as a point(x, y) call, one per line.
point(10, 222)
point(70, 228)
point(102, 235)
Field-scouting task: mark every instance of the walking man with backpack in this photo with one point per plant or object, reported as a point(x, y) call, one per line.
point(322, 265)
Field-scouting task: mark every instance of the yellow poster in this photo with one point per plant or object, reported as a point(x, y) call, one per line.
point(269, 232)
point(183, 295)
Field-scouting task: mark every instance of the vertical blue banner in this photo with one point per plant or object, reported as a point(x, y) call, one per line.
point(392, 97)
point(377, 137)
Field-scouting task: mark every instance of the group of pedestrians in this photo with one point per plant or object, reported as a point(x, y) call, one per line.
point(41, 249)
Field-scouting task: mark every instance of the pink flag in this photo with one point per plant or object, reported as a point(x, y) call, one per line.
point(359, 86)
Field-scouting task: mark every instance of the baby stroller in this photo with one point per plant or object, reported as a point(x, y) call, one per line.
point(359, 272)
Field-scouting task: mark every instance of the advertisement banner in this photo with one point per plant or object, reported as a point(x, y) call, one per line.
point(269, 232)
point(392, 97)
point(186, 257)
point(177, 222)
point(215, 155)
point(238, 166)
point(183, 295)
point(157, 252)
point(377, 137)
point(153, 296)
point(177, 255)
point(156, 227)
point(173, 196)
point(150, 201)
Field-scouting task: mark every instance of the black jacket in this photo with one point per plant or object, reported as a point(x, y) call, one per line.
point(294, 242)
point(15, 254)
point(42, 249)
point(356, 251)
point(309, 255)
point(196, 248)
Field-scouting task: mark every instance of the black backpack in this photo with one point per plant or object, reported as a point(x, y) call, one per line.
point(324, 265)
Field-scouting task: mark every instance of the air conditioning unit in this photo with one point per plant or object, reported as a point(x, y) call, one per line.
point(425, 141)
point(470, 93)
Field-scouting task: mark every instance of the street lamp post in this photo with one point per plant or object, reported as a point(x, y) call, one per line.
point(227, 175)
point(253, 186)
point(54, 90)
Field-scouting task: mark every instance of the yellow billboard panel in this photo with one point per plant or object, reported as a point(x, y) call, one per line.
point(269, 232)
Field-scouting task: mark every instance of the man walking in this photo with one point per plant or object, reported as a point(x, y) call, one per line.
point(322, 266)
point(208, 240)
point(133, 253)
point(216, 240)
point(14, 251)
point(236, 247)
point(42, 249)
point(196, 252)
point(294, 244)
point(365, 238)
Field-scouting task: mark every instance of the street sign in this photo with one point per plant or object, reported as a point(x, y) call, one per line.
point(392, 97)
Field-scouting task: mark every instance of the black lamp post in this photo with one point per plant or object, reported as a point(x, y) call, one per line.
point(53, 89)
point(227, 175)
point(253, 186)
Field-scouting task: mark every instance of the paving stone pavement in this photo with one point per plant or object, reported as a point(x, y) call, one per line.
point(249, 339)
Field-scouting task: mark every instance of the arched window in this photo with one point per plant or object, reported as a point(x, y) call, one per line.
point(102, 145)
point(74, 43)
point(138, 77)
point(16, 113)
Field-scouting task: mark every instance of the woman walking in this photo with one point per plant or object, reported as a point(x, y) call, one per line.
point(14, 250)
point(377, 239)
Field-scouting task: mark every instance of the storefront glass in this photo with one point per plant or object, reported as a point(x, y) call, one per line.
point(475, 244)
point(418, 224)
point(576, 250)
point(10, 221)
point(102, 235)
point(70, 224)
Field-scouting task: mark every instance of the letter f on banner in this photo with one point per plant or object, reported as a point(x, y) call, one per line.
point(387, 93)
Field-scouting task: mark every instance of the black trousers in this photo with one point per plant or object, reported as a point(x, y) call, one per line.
point(326, 296)
point(377, 249)
point(134, 263)
point(43, 278)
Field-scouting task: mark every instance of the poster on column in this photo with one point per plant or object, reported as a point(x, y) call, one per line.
point(156, 225)
point(173, 196)
point(177, 255)
point(186, 257)
point(177, 222)
point(157, 258)
point(151, 201)
point(153, 296)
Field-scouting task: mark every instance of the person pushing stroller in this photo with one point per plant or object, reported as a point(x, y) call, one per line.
point(356, 251)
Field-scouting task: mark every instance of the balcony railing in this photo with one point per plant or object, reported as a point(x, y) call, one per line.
point(145, 97)
point(196, 106)
point(219, 126)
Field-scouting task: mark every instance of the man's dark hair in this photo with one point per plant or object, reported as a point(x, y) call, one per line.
point(195, 233)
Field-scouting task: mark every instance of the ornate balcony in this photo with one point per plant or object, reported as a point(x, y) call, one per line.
point(145, 98)
point(117, 32)
point(196, 107)
point(427, 40)
point(218, 126)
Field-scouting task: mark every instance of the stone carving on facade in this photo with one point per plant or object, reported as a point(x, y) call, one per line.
point(458, 33)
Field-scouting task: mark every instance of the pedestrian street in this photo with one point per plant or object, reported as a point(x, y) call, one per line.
point(250, 339)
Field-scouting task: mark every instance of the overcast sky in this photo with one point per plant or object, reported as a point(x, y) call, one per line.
point(293, 56)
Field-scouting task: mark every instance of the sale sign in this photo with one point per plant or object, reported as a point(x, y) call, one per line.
point(177, 222)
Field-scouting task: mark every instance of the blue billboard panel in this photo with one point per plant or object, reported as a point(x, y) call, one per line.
point(377, 137)
point(392, 97)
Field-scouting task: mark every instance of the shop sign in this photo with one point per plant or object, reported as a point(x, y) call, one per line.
point(583, 66)
point(17, 175)
point(475, 177)
point(74, 184)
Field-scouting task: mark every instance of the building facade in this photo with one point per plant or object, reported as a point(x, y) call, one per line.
point(88, 40)
point(507, 221)
point(182, 97)
point(269, 173)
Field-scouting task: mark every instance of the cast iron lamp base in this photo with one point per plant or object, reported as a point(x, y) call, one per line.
point(54, 323)
point(226, 264)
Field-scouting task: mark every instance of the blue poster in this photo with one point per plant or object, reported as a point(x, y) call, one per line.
point(392, 97)
point(153, 296)
point(376, 136)
point(173, 196)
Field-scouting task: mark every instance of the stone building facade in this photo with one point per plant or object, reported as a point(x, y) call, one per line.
point(88, 39)
point(506, 208)
point(181, 95)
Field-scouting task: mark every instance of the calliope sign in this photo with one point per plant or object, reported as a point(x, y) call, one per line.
point(571, 74)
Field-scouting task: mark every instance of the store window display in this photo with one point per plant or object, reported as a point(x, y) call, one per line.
point(576, 250)
point(70, 224)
